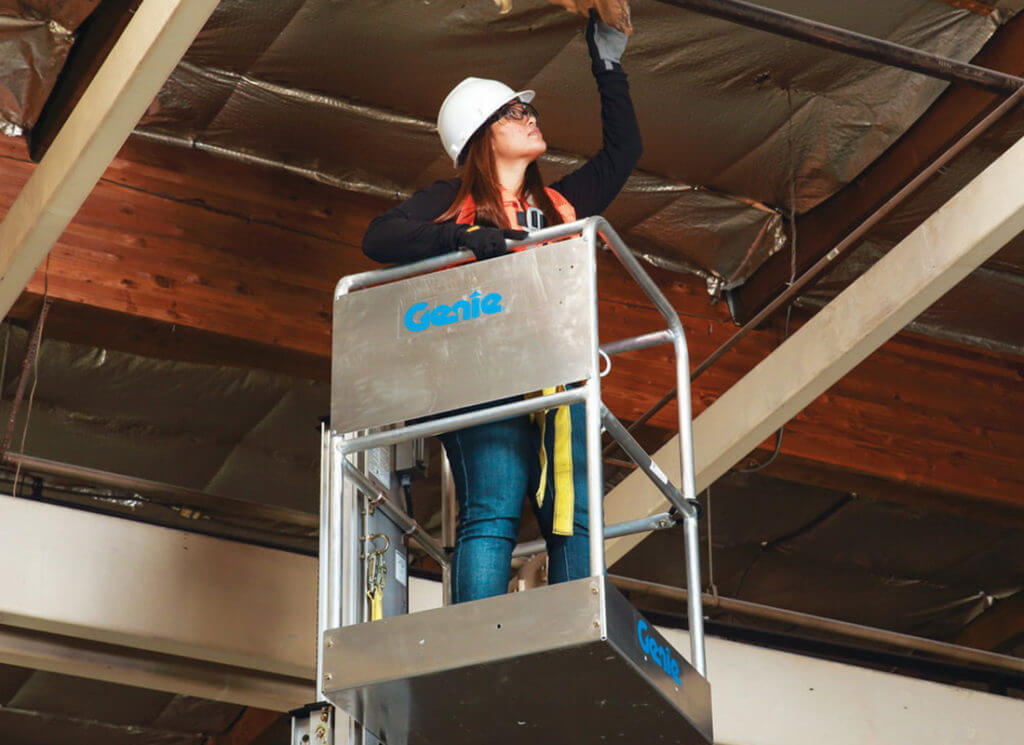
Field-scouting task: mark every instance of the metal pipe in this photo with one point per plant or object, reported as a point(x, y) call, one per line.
point(695, 609)
point(661, 521)
point(167, 494)
point(390, 274)
point(448, 514)
point(459, 421)
point(831, 625)
point(853, 43)
point(323, 563)
point(658, 477)
point(848, 242)
point(643, 341)
point(688, 475)
point(686, 462)
point(334, 538)
point(592, 411)
point(380, 500)
point(352, 588)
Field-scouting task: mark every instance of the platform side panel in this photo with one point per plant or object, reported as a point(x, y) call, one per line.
point(459, 635)
point(467, 335)
point(583, 694)
point(663, 665)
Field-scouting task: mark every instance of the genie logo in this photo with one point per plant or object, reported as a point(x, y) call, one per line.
point(421, 316)
point(661, 655)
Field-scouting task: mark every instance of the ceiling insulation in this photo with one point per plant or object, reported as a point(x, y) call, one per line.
point(741, 128)
point(985, 309)
point(348, 93)
point(43, 708)
point(245, 434)
point(35, 38)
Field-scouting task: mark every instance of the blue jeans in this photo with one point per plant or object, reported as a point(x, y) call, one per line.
point(495, 466)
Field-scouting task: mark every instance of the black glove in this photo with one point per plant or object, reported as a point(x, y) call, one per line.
point(605, 43)
point(486, 243)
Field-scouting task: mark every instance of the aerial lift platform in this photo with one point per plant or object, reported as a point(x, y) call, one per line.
point(572, 662)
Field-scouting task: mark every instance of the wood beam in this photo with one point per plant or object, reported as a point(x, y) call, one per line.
point(151, 45)
point(958, 108)
point(850, 478)
point(95, 38)
point(180, 255)
point(968, 229)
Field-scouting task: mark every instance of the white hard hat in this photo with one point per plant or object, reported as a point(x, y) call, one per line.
point(468, 106)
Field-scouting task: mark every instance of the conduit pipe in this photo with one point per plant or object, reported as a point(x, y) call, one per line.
point(169, 494)
point(853, 43)
point(830, 625)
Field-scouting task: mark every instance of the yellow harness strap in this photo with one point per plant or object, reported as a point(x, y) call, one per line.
point(376, 604)
point(564, 490)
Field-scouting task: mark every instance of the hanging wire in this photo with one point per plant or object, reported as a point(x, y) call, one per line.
point(3, 364)
point(35, 372)
point(792, 269)
point(711, 554)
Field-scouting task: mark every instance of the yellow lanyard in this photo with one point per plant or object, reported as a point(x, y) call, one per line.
point(564, 491)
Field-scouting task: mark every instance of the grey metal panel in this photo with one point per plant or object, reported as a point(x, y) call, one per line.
point(383, 372)
point(553, 665)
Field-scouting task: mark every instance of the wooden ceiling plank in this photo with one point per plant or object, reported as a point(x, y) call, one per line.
point(170, 263)
point(155, 39)
point(968, 229)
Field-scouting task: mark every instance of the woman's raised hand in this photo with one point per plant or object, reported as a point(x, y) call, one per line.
point(486, 243)
point(615, 13)
point(605, 43)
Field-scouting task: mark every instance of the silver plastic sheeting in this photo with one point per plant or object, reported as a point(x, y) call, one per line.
point(984, 309)
point(734, 120)
point(244, 434)
point(35, 38)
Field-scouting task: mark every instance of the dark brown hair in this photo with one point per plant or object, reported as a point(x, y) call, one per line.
point(480, 181)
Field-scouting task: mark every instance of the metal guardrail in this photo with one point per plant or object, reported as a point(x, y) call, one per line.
point(338, 580)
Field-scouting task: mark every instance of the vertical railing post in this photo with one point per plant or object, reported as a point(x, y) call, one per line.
point(595, 480)
point(323, 565)
point(687, 471)
point(448, 510)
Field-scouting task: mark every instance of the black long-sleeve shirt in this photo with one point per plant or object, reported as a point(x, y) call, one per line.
point(408, 232)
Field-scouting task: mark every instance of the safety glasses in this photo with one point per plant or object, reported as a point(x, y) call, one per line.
point(515, 111)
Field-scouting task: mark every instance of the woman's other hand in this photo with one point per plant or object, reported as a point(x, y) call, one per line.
point(605, 43)
point(486, 243)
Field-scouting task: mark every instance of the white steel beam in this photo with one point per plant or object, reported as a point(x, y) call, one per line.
point(109, 580)
point(152, 43)
point(68, 655)
point(766, 697)
point(234, 616)
point(951, 243)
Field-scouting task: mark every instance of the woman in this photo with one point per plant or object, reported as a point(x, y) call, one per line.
point(491, 134)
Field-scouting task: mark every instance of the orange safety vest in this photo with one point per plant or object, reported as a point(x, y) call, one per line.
point(565, 493)
point(515, 210)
